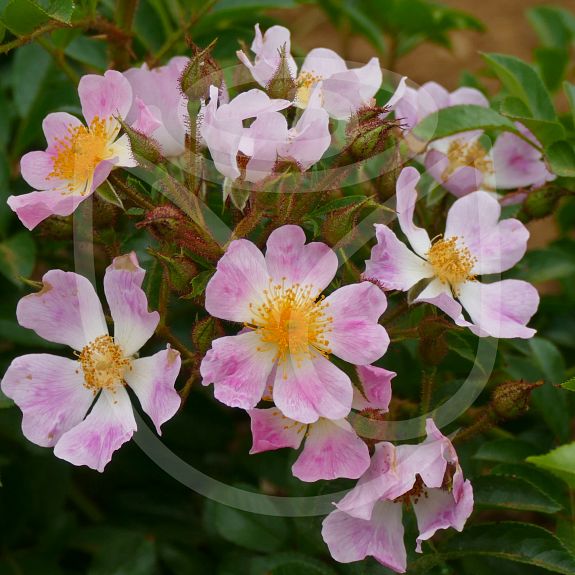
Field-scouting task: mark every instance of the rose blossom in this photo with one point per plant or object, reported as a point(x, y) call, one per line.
point(475, 242)
point(81, 407)
point(79, 158)
point(290, 327)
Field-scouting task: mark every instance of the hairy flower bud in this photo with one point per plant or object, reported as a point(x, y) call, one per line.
point(205, 331)
point(540, 203)
point(144, 148)
point(282, 85)
point(511, 399)
point(432, 345)
point(201, 72)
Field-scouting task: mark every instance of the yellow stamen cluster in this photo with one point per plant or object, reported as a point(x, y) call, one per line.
point(292, 321)
point(103, 364)
point(461, 154)
point(451, 262)
point(80, 151)
point(305, 83)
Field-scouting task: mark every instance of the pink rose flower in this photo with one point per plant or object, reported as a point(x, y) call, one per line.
point(332, 447)
point(290, 327)
point(79, 158)
point(475, 243)
point(80, 406)
point(160, 110)
point(368, 520)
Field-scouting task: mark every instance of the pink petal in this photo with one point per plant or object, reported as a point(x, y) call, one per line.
point(440, 509)
point(460, 182)
point(501, 309)
point(323, 62)
point(406, 195)
point(134, 325)
point(145, 121)
point(271, 430)
point(36, 167)
point(35, 207)
point(251, 104)
point(375, 386)
point(312, 389)
point(288, 256)
point(66, 310)
point(332, 450)
point(393, 264)
point(468, 96)
point(440, 295)
point(238, 367)
point(153, 379)
point(496, 245)
point(351, 539)
point(56, 127)
point(406, 109)
point(105, 96)
point(356, 335)
point(240, 280)
point(50, 392)
point(108, 426)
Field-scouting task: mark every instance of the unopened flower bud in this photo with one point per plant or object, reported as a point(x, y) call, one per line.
point(201, 72)
point(144, 148)
point(282, 85)
point(540, 203)
point(511, 399)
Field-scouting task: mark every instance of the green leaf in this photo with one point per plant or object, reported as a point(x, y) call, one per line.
point(512, 493)
point(561, 158)
point(289, 564)
point(504, 451)
point(199, 283)
point(569, 90)
point(31, 66)
point(5, 402)
point(22, 17)
point(559, 461)
point(552, 65)
point(554, 26)
point(18, 257)
point(520, 542)
point(552, 263)
point(249, 530)
point(107, 193)
point(338, 204)
point(569, 384)
point(455, 119)
point(125, 554)
point(522, 81)
point(11, 331)
point(548, 358)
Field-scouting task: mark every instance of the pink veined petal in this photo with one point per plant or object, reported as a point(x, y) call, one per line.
point(239, 368)
point(406, 108)
point(392, 264)
point(271, 430)
point(240, 280)
point(501, 309)
point(267, 133)
point(312, 389)
point(153, 379)
point(432, 97)
point(56, 127)
point(122, 153)
point(108, 426)
point(50, 392)
point(36, 168)
point(134, 325)
point(332, 450)
point(373, 485)
point(101, 173)
point(376, 388)
point(465, 95)
point(288, 256)
point(251, 104)
point(105, 96)
point(66, 310)
point(406, 196)
point(440, 295)
point(144, 119)
point(441, 510)
point(517, 163)
point(323, 62)
point(398, 95)
point(351, 539)
point(35, 207)
point(460, 182)
point(355, 334)
point(496, 245)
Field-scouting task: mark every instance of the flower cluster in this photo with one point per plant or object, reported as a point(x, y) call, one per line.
point(305, 358)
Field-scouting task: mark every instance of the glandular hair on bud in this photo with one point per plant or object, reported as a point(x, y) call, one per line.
point(282, 85)
point(511, 399)
point(201, 72)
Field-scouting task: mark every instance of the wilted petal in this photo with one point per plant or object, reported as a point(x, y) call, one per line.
point(375, 388)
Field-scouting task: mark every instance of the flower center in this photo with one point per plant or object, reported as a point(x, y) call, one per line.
point(293, 321)
point(305, 83)
point(103, 364)
point(80, 151)
point(461, 154)
point(452, 264)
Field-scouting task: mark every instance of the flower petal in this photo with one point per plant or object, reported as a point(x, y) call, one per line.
point(66, 310)
point(469, 96)
point(375, 388)
point(36, 168)
point(406, 195)
point(351, 539)
point(271, 430)
point(439, 295)
point(238, 367)
point(355, 334)
point(313, 389)
point(56, 127)
point(108, 426)
point(240, 280)
point(105, 96)
point(134, 325)
point(289, 257)
point(501, 309)
point(392, 264)
point(50, 392)
point(323, 62)
point(332, 450)
point(153, 379)
point(460, 182)
point(497, 245)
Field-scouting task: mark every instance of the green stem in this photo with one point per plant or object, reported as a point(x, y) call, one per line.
point(131, 194)
point(60, 59)
point(427, 381)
